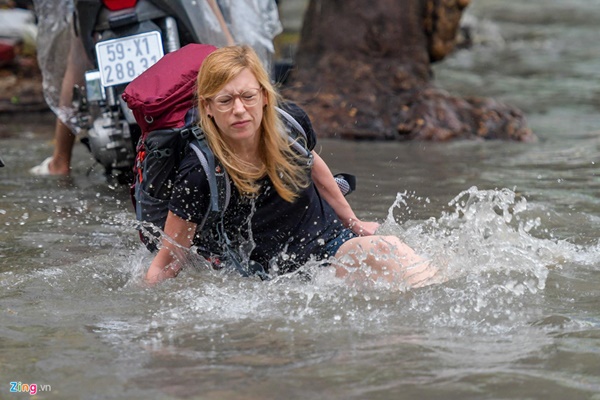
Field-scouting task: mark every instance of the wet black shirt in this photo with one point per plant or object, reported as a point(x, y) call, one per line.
point(279, 235)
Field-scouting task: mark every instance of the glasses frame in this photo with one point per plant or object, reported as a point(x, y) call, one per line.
point(247, 103)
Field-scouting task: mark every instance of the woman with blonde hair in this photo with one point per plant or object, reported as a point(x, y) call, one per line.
point(287, 208)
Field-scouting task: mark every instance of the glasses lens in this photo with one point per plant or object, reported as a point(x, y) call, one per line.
point(248, 97)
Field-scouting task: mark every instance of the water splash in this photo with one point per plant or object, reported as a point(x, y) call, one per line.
point(487, 245)
point(485, 232)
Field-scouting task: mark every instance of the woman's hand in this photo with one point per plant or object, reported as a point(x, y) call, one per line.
point(363, 228)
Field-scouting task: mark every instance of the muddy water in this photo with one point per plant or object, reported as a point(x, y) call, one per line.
point(515, 226)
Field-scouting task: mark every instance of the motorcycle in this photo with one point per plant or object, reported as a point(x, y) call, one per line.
point(122, 38)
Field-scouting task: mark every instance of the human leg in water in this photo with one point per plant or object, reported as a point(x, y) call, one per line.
point(369, 259)
point(64, 139)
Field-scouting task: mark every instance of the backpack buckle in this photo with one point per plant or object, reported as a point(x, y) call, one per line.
point(198, 133)
point(184, 133)
point(162, 153)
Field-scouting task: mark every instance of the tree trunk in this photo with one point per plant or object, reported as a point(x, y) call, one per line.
point(363, 71)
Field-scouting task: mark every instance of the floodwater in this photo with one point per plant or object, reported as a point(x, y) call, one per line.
point(515, 225)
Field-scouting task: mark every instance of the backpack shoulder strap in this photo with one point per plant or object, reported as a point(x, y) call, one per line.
point(346, 182)
point(292, 121)
point(294, 126)
point(218, 180)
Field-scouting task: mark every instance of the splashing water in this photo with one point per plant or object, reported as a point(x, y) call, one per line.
point(485, 233)
point(485, 247)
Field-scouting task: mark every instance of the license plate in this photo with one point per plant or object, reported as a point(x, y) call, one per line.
point(122, 60)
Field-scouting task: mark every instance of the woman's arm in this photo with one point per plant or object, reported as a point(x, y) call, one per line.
point(167, 263)
point(330, 191)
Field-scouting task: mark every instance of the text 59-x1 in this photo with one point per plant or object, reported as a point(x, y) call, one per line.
point(122, 60)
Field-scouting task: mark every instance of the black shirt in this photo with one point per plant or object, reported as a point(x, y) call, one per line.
point(275, 233)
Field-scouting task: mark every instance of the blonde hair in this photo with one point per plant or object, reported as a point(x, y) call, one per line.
point(279, 161)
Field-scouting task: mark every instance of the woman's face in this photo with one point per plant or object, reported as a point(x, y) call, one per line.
point(238, 109)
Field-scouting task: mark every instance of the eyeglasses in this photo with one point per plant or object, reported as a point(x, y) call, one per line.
point(248, 97)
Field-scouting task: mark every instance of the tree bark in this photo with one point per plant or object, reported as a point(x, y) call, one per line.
point(363, 71)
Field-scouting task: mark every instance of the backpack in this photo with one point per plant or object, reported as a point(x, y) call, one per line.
point(162, 102)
